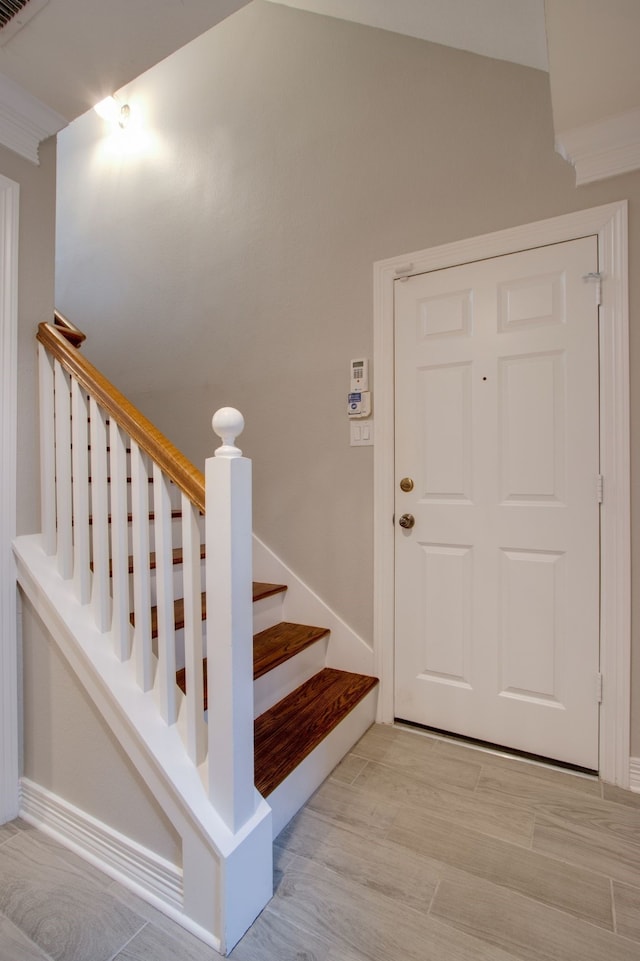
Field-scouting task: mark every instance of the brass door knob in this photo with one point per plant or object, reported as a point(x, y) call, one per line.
point(407, 521)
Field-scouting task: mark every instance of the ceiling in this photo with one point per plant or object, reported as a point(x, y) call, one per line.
point(72, 53)
point(504, 29)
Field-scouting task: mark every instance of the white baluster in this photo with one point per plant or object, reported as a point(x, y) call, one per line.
point(166, 678)
point(47, 451)
point(80, 466)
point(141, 580)
point(100, 594)
point(121, 622)
point(196, 728)
point(229, 625)
point(63, 470)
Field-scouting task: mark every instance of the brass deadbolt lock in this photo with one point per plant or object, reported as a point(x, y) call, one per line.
point(406, 484)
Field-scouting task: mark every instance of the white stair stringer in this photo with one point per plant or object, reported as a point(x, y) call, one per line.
point(227, 878)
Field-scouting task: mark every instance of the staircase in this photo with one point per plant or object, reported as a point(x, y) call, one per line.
point(232, 713)
point(298, 701)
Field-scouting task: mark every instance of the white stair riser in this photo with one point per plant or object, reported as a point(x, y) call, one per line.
point(282, 680)
point(177, 582)
point(174, 496)
point(277, 683)
point(267, 612)
point(179, 645)
point(176, 533)
point(295, 791)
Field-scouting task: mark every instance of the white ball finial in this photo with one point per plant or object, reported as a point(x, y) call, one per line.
point(228, 423)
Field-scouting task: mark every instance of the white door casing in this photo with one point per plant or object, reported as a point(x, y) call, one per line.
point(497, 584)
point(609, 222)
point(9, 761)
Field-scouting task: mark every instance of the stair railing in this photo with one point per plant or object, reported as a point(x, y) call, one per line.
point(105, 469)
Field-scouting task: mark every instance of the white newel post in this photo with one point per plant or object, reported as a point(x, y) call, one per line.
point(229, 625)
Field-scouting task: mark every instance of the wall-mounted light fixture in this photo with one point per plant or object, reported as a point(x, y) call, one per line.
point(114, 112)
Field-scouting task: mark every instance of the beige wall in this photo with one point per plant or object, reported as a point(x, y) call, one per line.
point(232, 262)
point(593, 59)
point(35, 303)
point(69, 750)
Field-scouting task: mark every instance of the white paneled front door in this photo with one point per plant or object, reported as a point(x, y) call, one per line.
point(497, 581)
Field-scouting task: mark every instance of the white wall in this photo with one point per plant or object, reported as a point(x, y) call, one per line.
point(232, 262)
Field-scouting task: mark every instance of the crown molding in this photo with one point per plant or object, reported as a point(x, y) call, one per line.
point(604, 149)
point(24, 120)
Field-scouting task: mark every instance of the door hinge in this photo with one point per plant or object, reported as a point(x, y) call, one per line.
point(595, 277)
point(600, 488)
point(599, 688)
point(404, 272)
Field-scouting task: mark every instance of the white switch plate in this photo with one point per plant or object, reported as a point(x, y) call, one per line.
point(361, 432)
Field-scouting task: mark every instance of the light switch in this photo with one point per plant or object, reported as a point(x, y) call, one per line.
point(361, 433)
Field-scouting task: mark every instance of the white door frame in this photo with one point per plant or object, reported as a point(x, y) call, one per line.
point(610, 224)
point(9, 758)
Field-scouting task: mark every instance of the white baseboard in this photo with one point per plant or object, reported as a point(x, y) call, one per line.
point(142, 871)
point(154, 879)
point(634, 774)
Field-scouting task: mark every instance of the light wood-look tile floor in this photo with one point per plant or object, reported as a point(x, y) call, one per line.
point(415, 849)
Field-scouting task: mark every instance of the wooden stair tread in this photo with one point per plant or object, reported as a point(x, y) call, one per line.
point(177, 559)
point(277, 644)
point(289, 731)
point(178, 614)
point(175, 514)
point(178, 604)
point(128, 479)
point(270, 648)
point(262, 590)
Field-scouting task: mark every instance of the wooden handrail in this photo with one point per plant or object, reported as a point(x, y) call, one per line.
point(73, 334)
point(62, 340)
